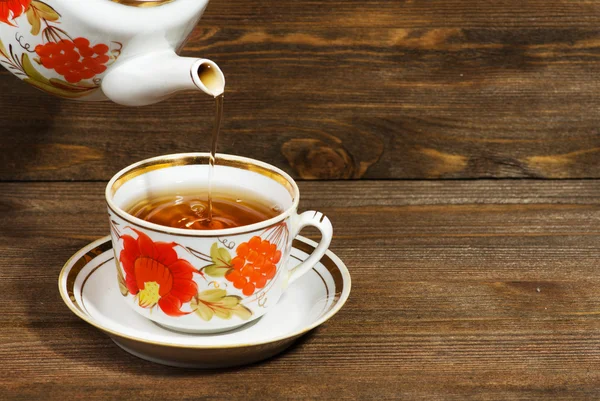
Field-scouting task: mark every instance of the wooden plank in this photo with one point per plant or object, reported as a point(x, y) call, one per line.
point(374, 90)
point(462, 290)
point(305, 14)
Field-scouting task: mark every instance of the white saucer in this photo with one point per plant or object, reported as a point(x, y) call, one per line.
point(89, 287)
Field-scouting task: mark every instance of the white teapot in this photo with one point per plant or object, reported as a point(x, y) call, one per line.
point(120, 50)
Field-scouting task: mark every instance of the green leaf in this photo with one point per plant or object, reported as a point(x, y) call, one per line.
point(212, 295)
point(47, 87)
point(223, 313)
point(45, 11)
point(31, 71)
point(3, 50)
point(34, 20)
point(204, 312)
point(122, 286)
point(214, 252)
point(219, 256)
point(54, 86)
point(224, 255)
point(217, 271)
point(221, 261)
point(216, 302)
point(80, 86)
point(242, 312)
point(230, 301)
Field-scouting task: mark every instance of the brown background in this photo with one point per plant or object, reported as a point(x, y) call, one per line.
point(478, 288)
point(336, 89)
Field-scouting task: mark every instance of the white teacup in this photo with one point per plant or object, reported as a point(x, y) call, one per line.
point(181, 278)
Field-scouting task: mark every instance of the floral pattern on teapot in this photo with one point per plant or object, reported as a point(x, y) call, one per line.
point(76, 60)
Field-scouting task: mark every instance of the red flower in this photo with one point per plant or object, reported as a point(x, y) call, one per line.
point(156, 275)
point(11, 9)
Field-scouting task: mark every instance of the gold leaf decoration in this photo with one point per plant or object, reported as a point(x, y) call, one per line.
point(3, 51)
point(30, 70)
point(122, 286)
point(54, 86)
point(49, 88)
point(39, 11)
point(34, 21)
point(80, 86)
point(215, 302)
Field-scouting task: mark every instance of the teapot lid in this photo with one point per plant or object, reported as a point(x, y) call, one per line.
point(134, 16)
point(143, 3)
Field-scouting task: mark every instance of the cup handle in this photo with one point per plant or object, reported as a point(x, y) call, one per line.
point(320, 221)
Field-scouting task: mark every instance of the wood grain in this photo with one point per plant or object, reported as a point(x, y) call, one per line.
point(406, 13)
point(351, 89)
point(461, 290)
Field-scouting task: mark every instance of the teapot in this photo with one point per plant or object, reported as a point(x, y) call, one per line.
point(119, 50)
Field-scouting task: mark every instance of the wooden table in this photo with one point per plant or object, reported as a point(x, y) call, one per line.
point(462, 289)
point(472, 235)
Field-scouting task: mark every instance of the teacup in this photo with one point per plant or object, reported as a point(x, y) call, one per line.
point(178, 278)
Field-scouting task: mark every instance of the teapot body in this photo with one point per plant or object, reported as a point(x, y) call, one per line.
point(66, 47)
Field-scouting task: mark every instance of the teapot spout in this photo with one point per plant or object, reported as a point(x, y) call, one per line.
point(152, 78)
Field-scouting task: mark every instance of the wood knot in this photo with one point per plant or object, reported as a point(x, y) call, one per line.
point(314, 159)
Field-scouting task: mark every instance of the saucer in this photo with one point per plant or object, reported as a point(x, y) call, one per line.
point(89, 287)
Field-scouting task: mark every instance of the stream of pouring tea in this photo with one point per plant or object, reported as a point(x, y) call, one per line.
point(213, 150)
point(209, 78)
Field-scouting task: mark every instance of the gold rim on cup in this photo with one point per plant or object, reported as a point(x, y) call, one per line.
point(189, 159)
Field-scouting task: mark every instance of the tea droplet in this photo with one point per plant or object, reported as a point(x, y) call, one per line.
point(198, 208)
